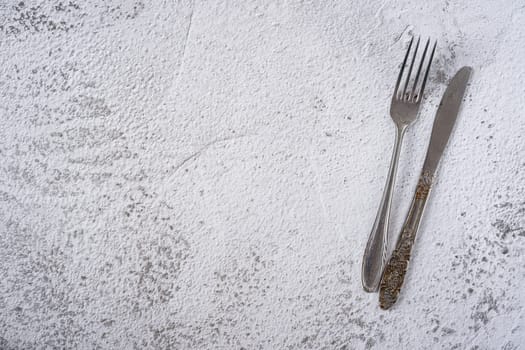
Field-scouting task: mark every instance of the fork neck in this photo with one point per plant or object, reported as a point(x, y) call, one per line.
point(400, 131)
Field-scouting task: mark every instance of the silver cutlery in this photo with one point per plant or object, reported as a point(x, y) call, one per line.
point(403, 111)
point(446, 115)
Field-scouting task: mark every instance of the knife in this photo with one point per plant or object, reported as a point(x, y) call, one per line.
point(446, 115)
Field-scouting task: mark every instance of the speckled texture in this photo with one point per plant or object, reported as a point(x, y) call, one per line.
point(204, 175)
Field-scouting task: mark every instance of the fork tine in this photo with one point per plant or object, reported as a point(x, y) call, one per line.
point(402, 68)
point(410, 69)
point(428, 70)
point(413, 94)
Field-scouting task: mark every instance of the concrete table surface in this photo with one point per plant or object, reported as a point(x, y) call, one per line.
point(204, 175)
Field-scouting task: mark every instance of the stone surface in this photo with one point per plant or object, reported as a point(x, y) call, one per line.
point(204, 175)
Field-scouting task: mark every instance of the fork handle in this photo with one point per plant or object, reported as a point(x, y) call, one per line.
point(374, 257)
point(395, 270)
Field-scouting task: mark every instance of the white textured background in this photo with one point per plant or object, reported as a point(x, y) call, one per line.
point(204, 175)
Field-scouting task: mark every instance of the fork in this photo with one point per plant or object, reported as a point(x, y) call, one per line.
point(403, 111)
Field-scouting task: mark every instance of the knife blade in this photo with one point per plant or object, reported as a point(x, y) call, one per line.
point(445, 119)
point(446, 115)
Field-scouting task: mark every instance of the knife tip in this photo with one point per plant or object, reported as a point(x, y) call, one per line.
point(466, 69)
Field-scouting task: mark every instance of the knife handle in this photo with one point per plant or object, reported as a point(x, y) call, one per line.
point(396, 268)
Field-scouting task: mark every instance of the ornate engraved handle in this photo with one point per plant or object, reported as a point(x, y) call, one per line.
point(395, 270)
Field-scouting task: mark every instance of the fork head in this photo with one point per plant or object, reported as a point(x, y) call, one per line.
point(406, 99)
